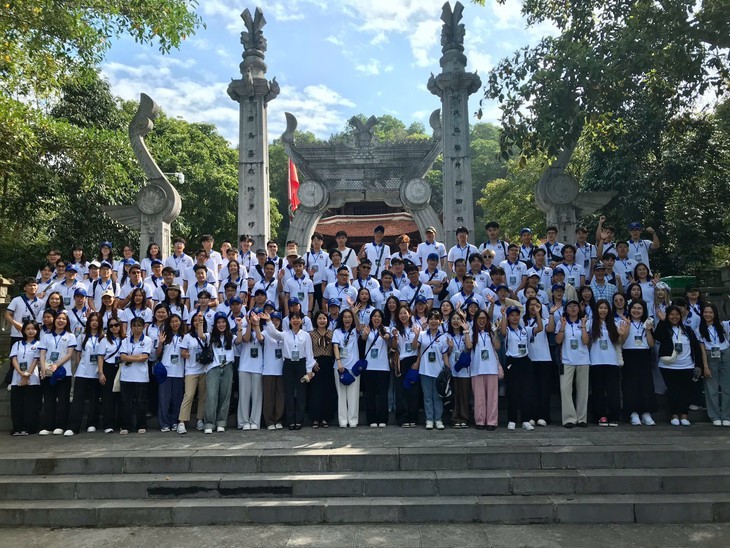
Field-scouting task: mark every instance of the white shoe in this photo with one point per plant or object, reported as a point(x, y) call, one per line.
point(717, 422)
point(91, 429)
point(511, 426)
point(271, 427)
point(726, 423)
point(246, 426)
point(429, 425)
point(181, 428)
point(68, 433)
point(343, 425)
point(165, 429)
point(124, 432)
point(58, 432)
point(208, 431)
point(109, 430)
point(541, 422)
point(142, 431)
point(373, 425)
point(684, 422)
point(635, 420)
point(382, 425)
point(527, 426)
point(353, 425)
point(279, 426)
point(254, 426)
point(532, 422)
point(647, 420)
point(439, 425)
point(220, 429)
point(674, 421)
point(44, 433)
point(200, 425)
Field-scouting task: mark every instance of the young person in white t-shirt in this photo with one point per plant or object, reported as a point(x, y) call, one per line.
point(56, 352)
point(191, 348)
point(714, 337)
point(86, 377)
point(377, 252)
point(430, 246)
point(25, 392)
point(574, 338)
point(433, 356)
point(376, 379)
point(135, 353)
point(637, 379)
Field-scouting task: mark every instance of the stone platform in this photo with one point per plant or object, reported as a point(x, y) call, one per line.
point(628, 474)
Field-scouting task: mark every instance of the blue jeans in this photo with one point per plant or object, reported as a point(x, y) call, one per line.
point(170, 398)
point(432, 403)
point(218, 386)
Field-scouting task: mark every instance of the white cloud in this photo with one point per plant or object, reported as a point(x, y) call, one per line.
point(371, 68)
point(335, 40)
point(480, 62)
point(508, 15)
point(379, 38)
point(317, 108)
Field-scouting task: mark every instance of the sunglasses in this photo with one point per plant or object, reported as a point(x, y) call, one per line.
point(113, 325)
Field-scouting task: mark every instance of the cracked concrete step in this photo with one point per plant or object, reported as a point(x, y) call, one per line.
point(365, 484)
point(697, 508)
point(696, 455)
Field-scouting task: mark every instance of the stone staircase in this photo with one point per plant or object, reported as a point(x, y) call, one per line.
point(624, 475)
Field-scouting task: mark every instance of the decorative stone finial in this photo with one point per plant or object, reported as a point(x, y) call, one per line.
point(452, 33)
point(253, 37)
point(364, 131)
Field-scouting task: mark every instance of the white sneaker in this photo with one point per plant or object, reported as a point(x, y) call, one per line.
point(109, 430)
point(124, 432)
point(58, 432)
point(279, 426)
point(532, 422)
point(647, 420)
point(674, 421)
point(220, 429)
point(373, 425)
point(527, 426)
point(541, 422)
point(165, 429)
point(91, 429)
point(382, 425)
point(200, 425)
point(68, 433)
point(246, 426)
point(684, 422)
point(208, 431)
point(353, 425)
point(511, 426)
point(271, 427)
point(717, 422)
point(181, 428)
point(635, 420)
point(439, 425)
point(174, 427)
point(429, 425)
point(254, 426)
point(726, 423)
point(44, 433)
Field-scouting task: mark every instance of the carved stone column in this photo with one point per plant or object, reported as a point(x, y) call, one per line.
point(453, 86)
point(253, 93)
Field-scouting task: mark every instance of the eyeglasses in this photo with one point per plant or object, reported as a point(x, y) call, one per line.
point(112, 325)
point(366, 267)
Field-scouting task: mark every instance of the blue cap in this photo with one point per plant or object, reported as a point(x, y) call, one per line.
point(160, 372)
point(346, 378)
point(58, 375)
point(636, 225)
point(501, 286)
point(333, 302)
point(153, 262)
point(130, 261)
point(259, 291)
point(80, 292)
point(511, 309)
point(432, 257)
point(411, 377)
point(463, 361)
point(106, 244)
point(421, 299)
point(70, 267)
point(558, 286)
point(379, 228)
point(270, 303)
point(293, 300)
point(359, 367)
point(236, 299)
point(105, 264)
point(525, 231)
point(219, 315)
point(275, 315)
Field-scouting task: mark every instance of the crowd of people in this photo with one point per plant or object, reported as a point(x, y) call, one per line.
point(102, 344)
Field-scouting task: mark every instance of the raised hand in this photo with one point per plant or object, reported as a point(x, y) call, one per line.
point(650, 230)
point(264, 316)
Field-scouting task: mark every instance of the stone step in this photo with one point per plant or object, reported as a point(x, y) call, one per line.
point(366, 484)
point(694, 453)
point(696, 508)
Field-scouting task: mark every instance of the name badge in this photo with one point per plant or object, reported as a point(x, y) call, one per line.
point(66, 301)
point(373, 353)
point(54, 357)
point(295, 355)
point(603, 344)
point(638, 257)
point(23, 366)
point(571, 281)
point(541, 286)
point(254, 352)
point(25, 319)
point(586, 263)
point(278, 353)
point(457, 353)
point(715, 352)
point(343, 353)
point(315, 268)
point(512, 280)
point(432, 357)
point(678, 348)
point(300, 296)
point(522, 349)
point(78, 329)
point(177, 273)
point(221, 359)
point(93, 358)
point(574, 344)
point(485, 354)
point(174, 359)
point(117, 360)
point(638, 340)
point(409, 347)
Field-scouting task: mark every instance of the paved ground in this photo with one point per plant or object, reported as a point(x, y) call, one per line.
point(402, 536)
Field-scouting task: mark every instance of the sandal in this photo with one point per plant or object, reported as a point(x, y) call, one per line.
point(315, 424)
point(325, 424)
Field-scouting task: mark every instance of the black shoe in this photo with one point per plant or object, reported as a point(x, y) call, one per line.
point(491, 427)
point(292, 427)
point(297, 427)
point(481, 427)
point(569, 425)
point(582, 425)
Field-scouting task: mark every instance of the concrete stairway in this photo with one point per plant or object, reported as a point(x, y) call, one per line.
point(625, 475)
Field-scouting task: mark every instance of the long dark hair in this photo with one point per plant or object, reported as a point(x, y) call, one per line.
point(716, 323)
point(88, 333)
point(526, 318)
point(60, 306)
point(224, 339)
point(398, 324)
point(136, 291)
point(644, 308)
point(610, 323)
point(149, 251)
point(35, 324)
point(168, 330)
point(382, 322)
point(83, 260)
point(387, 314)
point(591, 301)
point(487, 328)
point(340, 321)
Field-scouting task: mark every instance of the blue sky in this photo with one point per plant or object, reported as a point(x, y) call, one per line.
point(332, 59)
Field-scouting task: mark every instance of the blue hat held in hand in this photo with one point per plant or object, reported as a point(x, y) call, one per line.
point(160, 372)
point(411, 378)
point(58, 375)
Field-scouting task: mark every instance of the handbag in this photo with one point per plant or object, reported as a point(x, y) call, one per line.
point(669, 359)
point(443, 383)
point(206, 355)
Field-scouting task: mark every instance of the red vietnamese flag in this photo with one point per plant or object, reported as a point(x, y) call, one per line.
point(293, 187)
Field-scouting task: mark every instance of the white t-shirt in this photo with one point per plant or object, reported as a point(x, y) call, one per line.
point(684, 351)
point(483, 356)
point(135, 371)
point(459, 342)
point(26, 354)
point(499, 248)
point(538, 348)
point(573, 273)
point(129, 313)
point(513, 273)
point(405, 343)
point(516, 341)
point(88, 367)
point(424, 249)
point(457, 252)
point(602, 350)
point(713, 343)
point(341, 293)
point(222, 354)
point(432, 348)
point(318, 263)
point(171, 358)
point(23, 310)
point(639, 251)
point(347, 344)
point(584, 254)
point(301, 288)
point(112, 349)
point(410, 255)
point(623, 268)
point(195, 346)
point(379, 255)
point(574, 352)
point(273, 356)
point(377, 353)
point(57, 346)
point(636, 339)
point(252, 355)
point(179, 265)
point(546, 276)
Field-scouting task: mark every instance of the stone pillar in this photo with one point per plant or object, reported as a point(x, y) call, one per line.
point(253, 93)
point(453, 86)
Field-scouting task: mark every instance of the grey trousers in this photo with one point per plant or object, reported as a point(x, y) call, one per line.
point(717, 387)
point(574, 411)
point(250, 397)
point(218, 383)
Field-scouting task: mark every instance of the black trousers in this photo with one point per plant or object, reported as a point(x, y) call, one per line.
point(322, 392)
point(25, 408)
point(606, 391)
point(637, 382)
point(520, 389)
point(55, 403)
point(679, 389)
point(406, 401)
point(376, 385)
point(151, 394)
point(111, 402)
point(295, 397)
point(134, 412)
point(84, 389)
point(543, 374)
